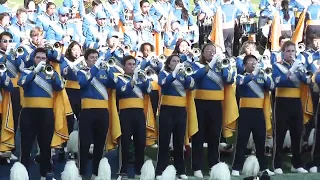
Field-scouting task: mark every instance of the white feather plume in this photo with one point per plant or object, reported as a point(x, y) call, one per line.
point(72, 144)
point(287, 140)
point(169, 173)
point(147, 171)
point(70, 172)
point(311, 137)
point(251, 166)
point(251, 144)
point(220, 171)
point(18, 172)
point(104, 171)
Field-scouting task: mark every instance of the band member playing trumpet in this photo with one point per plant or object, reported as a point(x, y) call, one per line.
point(183, 49)
point(90, 18)
point(174, 82)
point(37, 115)
point(276, 56)
point(252, 86)
point(75, 6)
point(94, 123)
point(210, 78)
point(131, 89)
point(287, 19)
point(288, 76)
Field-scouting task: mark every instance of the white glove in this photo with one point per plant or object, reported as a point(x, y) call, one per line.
point(136, 74)
point(99, 61)
point(177, 69)
point(39, 67)
point(214, 60)
point(294, 66)
point(256, 69)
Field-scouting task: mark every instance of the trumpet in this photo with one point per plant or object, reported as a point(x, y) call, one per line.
point(3, 67)
point(223, 63)
point(162, 58)
point(187, 70)
point(48, 70)
point(196, 52)
point(265, 58)
point(267, 70)
point(111, 62)
point(127, 48)
point(149, 73)
point(301, 47)
point(50, 46)
point(17, 52)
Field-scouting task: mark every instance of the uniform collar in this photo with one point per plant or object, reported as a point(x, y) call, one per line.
point(286, 63)
point(20, 25)
point(61, 23)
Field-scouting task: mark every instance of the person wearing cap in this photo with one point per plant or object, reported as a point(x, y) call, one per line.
point(20, 30)
point(49, 17)
point(62, 31)
point(312, 25)
point(96, 37)
point(138, 35)
point(252, 86)
point(131, 91)
point(90, 18)
point(289, 76)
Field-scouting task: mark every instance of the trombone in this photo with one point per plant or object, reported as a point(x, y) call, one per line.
point(3, 67)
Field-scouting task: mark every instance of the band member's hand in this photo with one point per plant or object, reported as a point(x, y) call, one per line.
point(177, 69)
point(294, 67)
point(136, 74)
point(256, 69)
point(66, 39)
point(214, 60)
point(99, 61)
point(39, 67)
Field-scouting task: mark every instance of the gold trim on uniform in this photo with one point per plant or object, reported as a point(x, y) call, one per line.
point(87, 103)
point(177, 101)
point(288, 92)
point(38, 102)
point(251, 102)
point(209, 94)
point(131, 103)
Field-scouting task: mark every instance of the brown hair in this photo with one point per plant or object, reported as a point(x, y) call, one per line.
point(245, 45)
point(68, 54)
point(36, 31)
point(287, 44)
point(167, 62)
point(202, 59)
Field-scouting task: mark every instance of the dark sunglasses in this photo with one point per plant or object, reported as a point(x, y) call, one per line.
point(6, 41)
point(64, 15)
point(32, 11)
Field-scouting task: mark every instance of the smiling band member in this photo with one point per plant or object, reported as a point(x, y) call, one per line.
point(37, 115)
point(289, 76)
point(94, 121)
point(131, 90)
point(252, 87)
point(174, 84)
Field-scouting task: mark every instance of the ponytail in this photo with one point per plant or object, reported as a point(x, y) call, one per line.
point(185, 13)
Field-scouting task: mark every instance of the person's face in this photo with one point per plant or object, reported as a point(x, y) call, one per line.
point(146, 50)
point(63, 18)
point(114, 1)
point(113, 41)
point(250, 65)
point(289, 53)
point(130, 66)
point(92, 59)
point(51, 10)
point(184, 47)
point(76, 51)
point(5, 42)
point(145, 7)
point(250, 49)
point(40, 56)
point(316, 43)
point(137, 25)
point(173, 63)
point(283, 41)
point(101, 21)
point(22, 18)
point(208, 52)
point(36, 39)
point(175, 26)
point(5, 21)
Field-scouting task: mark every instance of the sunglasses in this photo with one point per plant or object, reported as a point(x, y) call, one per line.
point(6, 41)
point(30, 11)
point(64, 15)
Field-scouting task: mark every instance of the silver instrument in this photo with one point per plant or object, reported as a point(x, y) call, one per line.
point(127, 48)
point(301, 47)
point(162, 57)
point(48, 70)
point(265, 58)
point(149, 73)
point(223, 63)
point(186, 70)
point(50, 46)
point(196, 52)
point(111, 62)
point(3, 67)
point(17, 52)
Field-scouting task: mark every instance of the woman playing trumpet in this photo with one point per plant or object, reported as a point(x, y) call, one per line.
point(173, 114)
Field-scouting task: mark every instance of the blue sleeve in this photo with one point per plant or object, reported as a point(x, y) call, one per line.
point(189, 83)
point(124, 88)
point(26, 79)
point(278, 77)
point(165, 81)
point(127, 39)
point(199, 74)
point(112, 80)
point(147, 87)
point(317, 79)
point(50, 34)
point(228, 76)
point(57, 84)
point(302, 77)
point(85, 79)
point(6, 82)
point(144, 63)
point(240, 66)
point(89, 41)
point(244, 79)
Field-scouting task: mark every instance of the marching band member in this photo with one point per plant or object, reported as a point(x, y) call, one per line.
point(132, 7)
point(31, 13)
point(267, 9)
point(21, 29)
point(161, 9)
point(171, 38)
point(76, 6)
point(131, 89)
point(276, 56)
point(62, 31)
point(210, 78)
point(204, 10)
point(229, 12)
point(37, 116)
point(248, 48)
point(90, 18)
point(173, 114)
point(114, 10)
point(97, 34)
point(183, 49)
point(4, 7)
point(94, 123)
point(146, 49)
point(149, 21)
point(288, 76)
point(287, 19)
point(49, 17)
point(312, 26)
point(312, 54)
point(4, 21)
point(185, 3)
point(7, 135)
point(138, 35)
point(252, 86)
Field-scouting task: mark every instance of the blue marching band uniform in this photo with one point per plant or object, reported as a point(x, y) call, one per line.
point(84, 83)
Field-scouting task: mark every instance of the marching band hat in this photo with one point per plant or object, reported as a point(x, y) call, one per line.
point(113, 34)
point(101, 15)
point(138, 18)
point(63, 11)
